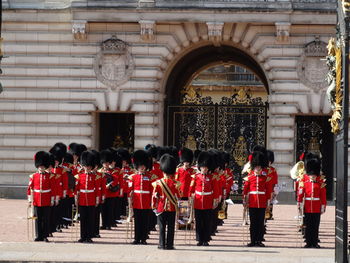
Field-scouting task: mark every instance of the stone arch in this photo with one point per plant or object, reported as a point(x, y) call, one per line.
point(179, 71)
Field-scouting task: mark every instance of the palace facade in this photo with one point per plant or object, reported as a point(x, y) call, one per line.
point(224, 73)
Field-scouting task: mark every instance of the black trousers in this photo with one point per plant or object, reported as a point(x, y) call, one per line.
point(53, 218)
point(108, 212)
point(257, 221)
point(166, 236)
point(124, 204)
point(312, 225)
point(87, 218)
point(42, 226)
point(204, 220)
point(97, 220)
point(117, 208)
point(141, 222)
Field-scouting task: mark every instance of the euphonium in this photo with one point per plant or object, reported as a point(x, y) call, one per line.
point(221, 213)
point(297, 171)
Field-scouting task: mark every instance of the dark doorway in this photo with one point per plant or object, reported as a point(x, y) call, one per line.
point(117, 130)
point(314, 135)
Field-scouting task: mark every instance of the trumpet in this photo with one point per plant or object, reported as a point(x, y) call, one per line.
point(31, 216)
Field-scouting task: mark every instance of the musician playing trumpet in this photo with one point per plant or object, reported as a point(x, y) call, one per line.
point(312, 192)
point(164, 201)
point(256, 196)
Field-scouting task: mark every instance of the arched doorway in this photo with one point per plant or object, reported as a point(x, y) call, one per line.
point(216, 98)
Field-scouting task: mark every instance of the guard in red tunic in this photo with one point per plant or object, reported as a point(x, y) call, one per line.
point(111, 179)
point(256, 195)
point(126, 172)
point(116, 166)
point(40, 195)
point(185, 172)
point(228, 173)
point(273, 184)
point(164, 202)
point(312, 200)
point(203, 191)
point(141, 192)
point(87, 197)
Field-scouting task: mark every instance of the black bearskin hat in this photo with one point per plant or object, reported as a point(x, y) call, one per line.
point(58, 153)
point(206, 160)
point(96, 157)
point(140, 157)
point(106, 156)
point(124, 154)
point(270, 156)
point(161, 151)
point(186, 155)
point(51, 160)
point(226, 157)
point(42, 158)
point(87, 158)
point(196, 154)
point(116, 158)
point(262, 149)
point(313, 165)
point(68, 158)
point(168, 164)
point(152, 150)
point(62, 146)
point(73, 148)
point(258, 159)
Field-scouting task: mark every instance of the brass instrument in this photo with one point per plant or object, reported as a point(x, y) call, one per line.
point(300, 224)
point(245, 224)
point(129, 221)
point(189, 226)
point(74, 218)
point(222, 211)
point(31, 217)
point(297, 171)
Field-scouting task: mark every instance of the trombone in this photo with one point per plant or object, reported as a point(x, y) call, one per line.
point(31, 217)
point(129, 221)
point(189, 225)
point(300, 225)
point(74, 218)
point(245, 220)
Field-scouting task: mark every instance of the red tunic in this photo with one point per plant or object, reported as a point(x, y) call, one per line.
point(112, 179)
point(204, 190)
point(141, 190)
point(100, 185)
point(256, 187)
point(313, 193)
point(40, 184)
point(185, 178)
point(160, 202)
point(229, 181)
point(127, 171)
point(86, 189)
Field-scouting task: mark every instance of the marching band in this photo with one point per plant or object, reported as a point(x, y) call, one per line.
point(147, 186)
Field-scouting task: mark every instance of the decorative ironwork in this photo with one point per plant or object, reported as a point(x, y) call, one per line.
point(309, 137)
point(192, 126)
point(334, 91)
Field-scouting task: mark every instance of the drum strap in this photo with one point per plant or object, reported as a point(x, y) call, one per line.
point(169, 194)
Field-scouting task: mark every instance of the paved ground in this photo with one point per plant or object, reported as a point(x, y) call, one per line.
point(283, 243)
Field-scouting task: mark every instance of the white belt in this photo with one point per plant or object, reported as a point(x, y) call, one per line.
point(42, 191)
point(87, 191)
point(312, 198)
point(141, 192)
point(204, 193)
point(257, 192)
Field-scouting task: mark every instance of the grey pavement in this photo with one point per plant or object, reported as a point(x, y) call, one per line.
point(283, 242)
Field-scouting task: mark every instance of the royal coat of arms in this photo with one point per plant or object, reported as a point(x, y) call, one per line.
point(114, 64)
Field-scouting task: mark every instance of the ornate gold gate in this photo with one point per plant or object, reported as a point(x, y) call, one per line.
point(234, 125)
